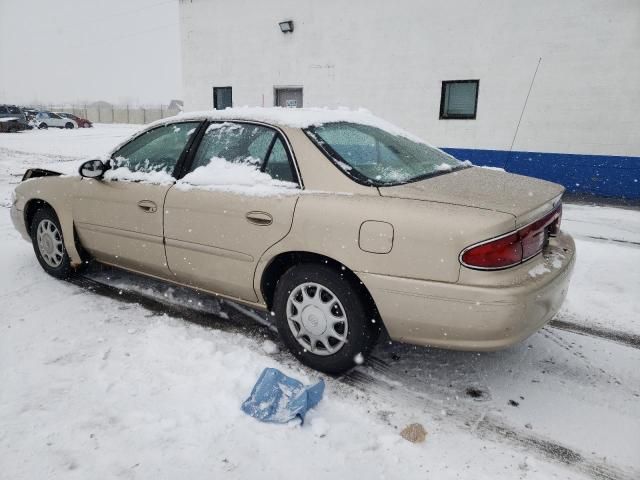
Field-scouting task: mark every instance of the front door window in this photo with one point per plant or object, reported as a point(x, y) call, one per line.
point(157, 150)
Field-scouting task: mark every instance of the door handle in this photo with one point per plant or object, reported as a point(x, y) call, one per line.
point(148, 206)
point(259, 218)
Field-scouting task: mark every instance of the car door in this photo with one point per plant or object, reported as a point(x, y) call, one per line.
point(55, 120)
point(42, 117)
point(119, 219)
point(236, 200)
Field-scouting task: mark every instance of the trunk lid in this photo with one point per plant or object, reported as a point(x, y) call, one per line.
point(523, 197)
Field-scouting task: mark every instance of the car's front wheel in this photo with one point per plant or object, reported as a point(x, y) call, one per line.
point(48, 243)
point(68, 125)
point(43, 126)
point(322, 318)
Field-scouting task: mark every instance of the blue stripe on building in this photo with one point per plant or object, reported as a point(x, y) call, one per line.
point(602, 175)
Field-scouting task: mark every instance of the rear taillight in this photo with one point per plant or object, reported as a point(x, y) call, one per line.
point(513, 248)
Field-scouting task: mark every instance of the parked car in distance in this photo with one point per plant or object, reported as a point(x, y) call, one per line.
point(30, 113)
point(81, 122)
point(11, 111)
point(11, 125)
point(50, 119)
point(337, 222)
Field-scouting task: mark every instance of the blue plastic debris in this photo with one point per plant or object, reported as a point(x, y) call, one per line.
point(277, 398)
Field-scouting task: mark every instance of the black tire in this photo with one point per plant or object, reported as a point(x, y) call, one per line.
point(362, 332)
point(62, 269)
point(43, 126)
point(68, 125)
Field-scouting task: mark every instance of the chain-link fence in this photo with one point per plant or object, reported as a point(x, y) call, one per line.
point(114, 113)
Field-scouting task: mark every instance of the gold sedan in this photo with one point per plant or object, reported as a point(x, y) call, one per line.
point(339, 223)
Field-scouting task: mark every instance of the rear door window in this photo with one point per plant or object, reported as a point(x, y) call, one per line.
point(257, 147)
point(278, 164)
point(235, 143)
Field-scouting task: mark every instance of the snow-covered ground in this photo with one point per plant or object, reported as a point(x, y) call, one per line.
point(114, 375)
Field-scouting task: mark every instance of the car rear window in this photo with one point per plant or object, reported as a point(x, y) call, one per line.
point(374, 156)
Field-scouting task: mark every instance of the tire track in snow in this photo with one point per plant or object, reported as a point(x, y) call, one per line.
point(596, 238)
point(623, 338)
point(378, 378)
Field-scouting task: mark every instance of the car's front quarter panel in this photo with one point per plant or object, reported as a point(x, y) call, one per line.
point(57, 192)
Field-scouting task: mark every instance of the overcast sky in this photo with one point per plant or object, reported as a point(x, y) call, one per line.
point(86, 50)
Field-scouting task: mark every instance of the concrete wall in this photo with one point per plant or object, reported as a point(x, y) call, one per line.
point(114, 114)
point(392, 56)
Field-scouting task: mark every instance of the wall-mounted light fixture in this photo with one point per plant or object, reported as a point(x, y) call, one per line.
point(286, 26)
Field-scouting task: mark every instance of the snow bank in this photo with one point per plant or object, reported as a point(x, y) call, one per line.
point(87, 143)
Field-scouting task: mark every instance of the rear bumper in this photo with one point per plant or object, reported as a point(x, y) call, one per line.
point(475, 316)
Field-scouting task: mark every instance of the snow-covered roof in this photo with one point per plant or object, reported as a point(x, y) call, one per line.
point(296, 117)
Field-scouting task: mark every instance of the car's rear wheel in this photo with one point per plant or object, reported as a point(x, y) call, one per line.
point(322, 319)
point(68, 125)
point(48, 243)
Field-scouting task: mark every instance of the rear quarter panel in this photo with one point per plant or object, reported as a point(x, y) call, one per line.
point(427, 236)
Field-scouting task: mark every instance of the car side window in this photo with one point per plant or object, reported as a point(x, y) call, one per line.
point(3, 110)
point(235, 143)
point(157, 150)
point(278, 165)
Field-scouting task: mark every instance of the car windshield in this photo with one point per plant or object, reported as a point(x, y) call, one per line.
point(374, 156)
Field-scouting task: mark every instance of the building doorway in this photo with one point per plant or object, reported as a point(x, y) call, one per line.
point(288, 97)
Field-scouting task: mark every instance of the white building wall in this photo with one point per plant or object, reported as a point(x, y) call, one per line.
point(391, 57)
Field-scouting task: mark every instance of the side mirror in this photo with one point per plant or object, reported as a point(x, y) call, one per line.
point(93, 169)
